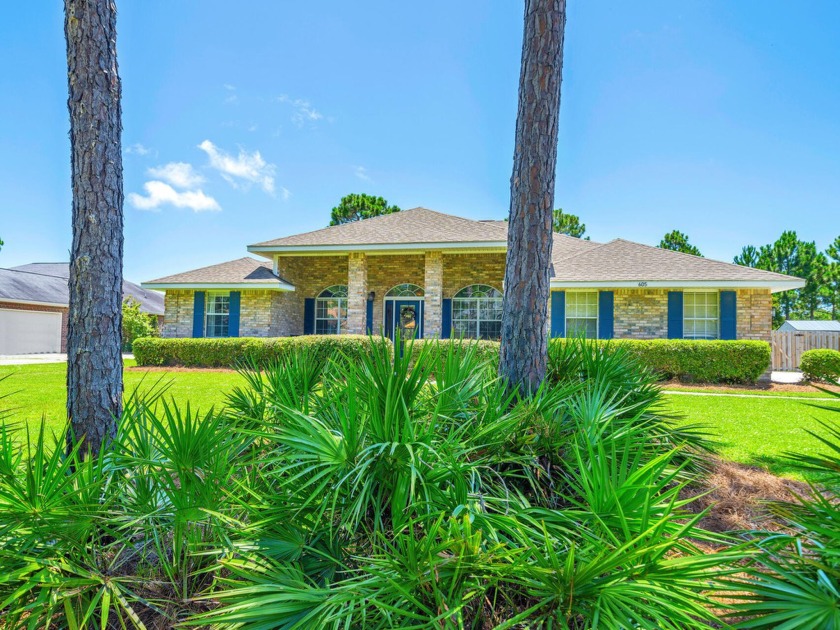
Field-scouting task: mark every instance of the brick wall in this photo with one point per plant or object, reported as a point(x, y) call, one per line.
point(310, 275)
point(754, 314)
point(16, 306)
point(641, 314)
point(178, 313)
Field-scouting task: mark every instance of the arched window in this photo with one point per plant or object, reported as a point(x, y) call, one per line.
point(477, 312)
point(406, 290)
point(331, 311)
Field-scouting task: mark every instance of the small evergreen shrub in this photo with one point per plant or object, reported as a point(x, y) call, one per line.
point(821, 365)
point(230, 352)
point(682, 359)
point(136, 323)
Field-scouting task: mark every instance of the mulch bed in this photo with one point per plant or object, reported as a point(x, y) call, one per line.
point(746, 389)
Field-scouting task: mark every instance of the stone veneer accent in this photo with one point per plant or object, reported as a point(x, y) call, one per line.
point(357, 293)
point(433, 308)
point(17, 306)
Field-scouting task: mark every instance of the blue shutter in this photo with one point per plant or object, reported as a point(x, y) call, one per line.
point(728, 315)
point(675, 315)
point(606, 307)
point(389, 318)
point(233, 313)
point(558, 313)
point(198, 314)
point(446, 319)
point(309, 316)
point(369, 318)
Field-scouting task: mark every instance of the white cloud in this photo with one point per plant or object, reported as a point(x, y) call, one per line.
point(303, 112)
point(179, 174)
point(232, 96)
point(137, 149)
point(361, 173)
point(250, 168)
point(285, 193)
point(160, 194)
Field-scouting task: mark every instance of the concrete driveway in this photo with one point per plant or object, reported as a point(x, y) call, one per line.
point(30, 359)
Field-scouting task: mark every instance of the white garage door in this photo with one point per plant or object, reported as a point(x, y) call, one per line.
point(26, 332)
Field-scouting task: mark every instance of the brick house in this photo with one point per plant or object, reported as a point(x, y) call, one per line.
point(436, 275)
point(34, 304)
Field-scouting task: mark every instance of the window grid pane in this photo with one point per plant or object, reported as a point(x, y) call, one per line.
point(330, 315)
point(477, 313)
point(701, 315)
point(217, 310)
point(582, 314)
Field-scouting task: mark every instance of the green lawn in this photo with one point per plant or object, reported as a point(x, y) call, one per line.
point(751, 430)
point(759, 430)
point(39, 390)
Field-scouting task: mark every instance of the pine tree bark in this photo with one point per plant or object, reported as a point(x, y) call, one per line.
point(94, 329)
point(524, 347)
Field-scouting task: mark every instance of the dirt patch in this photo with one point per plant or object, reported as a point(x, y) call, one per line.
point(802, 388)
point(737, 496)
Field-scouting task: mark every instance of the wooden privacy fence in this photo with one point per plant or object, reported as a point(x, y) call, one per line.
point(788, 346)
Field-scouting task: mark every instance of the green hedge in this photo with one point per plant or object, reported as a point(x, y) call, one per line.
point(681, 359)
point(231, 351)
point(821, 365)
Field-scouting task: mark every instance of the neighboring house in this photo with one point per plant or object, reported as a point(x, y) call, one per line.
point(434, 274)
point(805, 325)
point(34, 301)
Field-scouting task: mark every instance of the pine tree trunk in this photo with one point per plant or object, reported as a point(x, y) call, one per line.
point(527, 272)
point(94, 330)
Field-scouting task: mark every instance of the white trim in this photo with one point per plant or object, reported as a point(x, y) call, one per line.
point(201, 286)
point(381, 247)
point(32, 303)
point(774, 285)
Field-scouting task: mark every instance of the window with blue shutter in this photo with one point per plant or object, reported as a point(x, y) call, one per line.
point(606, 309)
point(728, 315)
point(446, 319)
point(675, 315)
point(558, 313)
point(198, 314)
point(233, 313)
point(309, 316)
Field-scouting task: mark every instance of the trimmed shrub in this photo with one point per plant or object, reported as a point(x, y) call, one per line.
point(685, 360)
point(821, 365)
point(230, 352)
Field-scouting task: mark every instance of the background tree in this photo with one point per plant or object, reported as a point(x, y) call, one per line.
point(748, 257)
point(676, 241)
point(94, 331)
point(831, 285)
point(568, 224)
point(524, 346)
point(358, 206)
point(136, 323)
point(1, 243)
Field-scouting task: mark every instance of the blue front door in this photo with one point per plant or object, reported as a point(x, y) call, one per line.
point(405, 317)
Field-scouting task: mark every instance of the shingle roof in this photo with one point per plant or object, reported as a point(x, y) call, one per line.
point(823, 325)
point(47, 282)
point(626, 261)
point(243, 271)
point(413, 226)
point(574, 260)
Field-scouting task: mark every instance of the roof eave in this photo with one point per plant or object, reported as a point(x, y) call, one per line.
point(240, 286)
point(775, 286)
point(268, 250)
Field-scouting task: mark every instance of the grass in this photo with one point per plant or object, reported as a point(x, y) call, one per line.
point(755, 431)
point(759, 431)
point(36, 391)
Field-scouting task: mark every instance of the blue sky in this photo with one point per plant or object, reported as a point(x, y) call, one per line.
point(719, 118)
